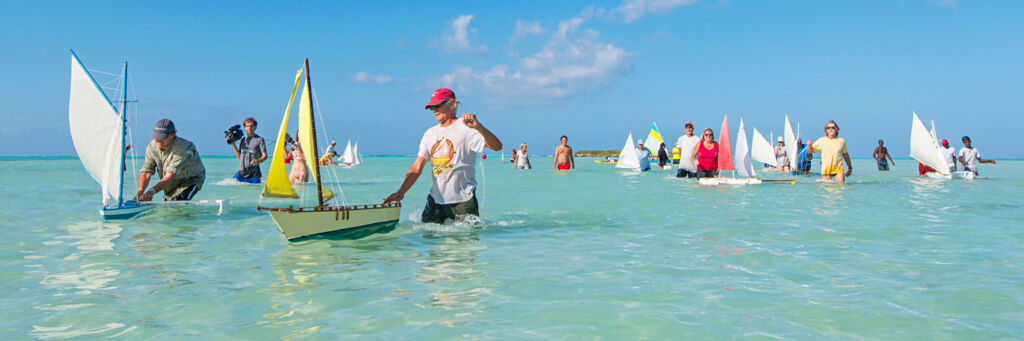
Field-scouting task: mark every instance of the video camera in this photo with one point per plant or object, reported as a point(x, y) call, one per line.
point(233, 134)
point(288, 139)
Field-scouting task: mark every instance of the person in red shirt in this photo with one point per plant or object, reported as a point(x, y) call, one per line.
point(706, 155)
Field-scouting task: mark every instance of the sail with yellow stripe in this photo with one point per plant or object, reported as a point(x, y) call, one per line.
point(654, 140)
point(307, 139)
point(277, 185)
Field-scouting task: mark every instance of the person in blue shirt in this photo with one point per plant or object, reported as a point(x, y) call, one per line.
point(803, 161)
point(645, 157)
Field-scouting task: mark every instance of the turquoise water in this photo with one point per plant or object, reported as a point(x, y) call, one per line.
point(594, 253)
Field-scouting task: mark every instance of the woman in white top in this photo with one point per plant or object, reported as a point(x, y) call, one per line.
point(523, 162)
point(780, 155)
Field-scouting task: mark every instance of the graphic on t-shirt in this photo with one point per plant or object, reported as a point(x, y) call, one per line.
point(441, 154)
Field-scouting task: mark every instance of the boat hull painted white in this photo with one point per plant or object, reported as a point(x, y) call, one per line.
point(297, 224)
point(728, 181)
point(128, 210)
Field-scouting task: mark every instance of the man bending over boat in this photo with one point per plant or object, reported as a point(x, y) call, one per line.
point(176, 160)
point(451, 146)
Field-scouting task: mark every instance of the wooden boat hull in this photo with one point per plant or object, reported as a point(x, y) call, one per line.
point(301, 222)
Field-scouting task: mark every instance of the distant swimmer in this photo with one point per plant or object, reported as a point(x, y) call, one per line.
point(675, 155)
point(563, 156)
point(523, 161)
point(687, 144)
point(644, 156)
point(176, 161)
point(880, 154)
point(781, 158)
point(706, 155)
point(515, 157)
point(969, 157)
point(451, 147)
point(948, 153)
point(832, 148)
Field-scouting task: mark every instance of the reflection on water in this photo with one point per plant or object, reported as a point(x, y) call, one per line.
point(81, 274)
point(450, 272)
point(833, 199)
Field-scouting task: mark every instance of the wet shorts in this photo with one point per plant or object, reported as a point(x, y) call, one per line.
point(437, 213)
point(707, 174)
point(682, 173)
point(240, 178)
point(883, 165)
point(563, 166)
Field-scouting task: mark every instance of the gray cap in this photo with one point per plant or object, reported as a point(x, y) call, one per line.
point(163, 129)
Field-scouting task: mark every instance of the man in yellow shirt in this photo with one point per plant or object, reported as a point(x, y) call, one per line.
point(832, 147)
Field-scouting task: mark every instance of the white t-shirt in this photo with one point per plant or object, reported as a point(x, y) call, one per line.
point(452, 153)
point(947, 153)
point(970, 156)
point(686, 145)
point(523, 161)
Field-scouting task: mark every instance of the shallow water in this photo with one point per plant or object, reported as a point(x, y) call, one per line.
point(593, 253)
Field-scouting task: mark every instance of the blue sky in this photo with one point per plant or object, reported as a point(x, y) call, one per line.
point(532, 71)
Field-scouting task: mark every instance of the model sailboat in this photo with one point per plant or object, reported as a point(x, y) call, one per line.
point(298, 222)
point(924, 147)
point(98, 130)
point(628, 157)
point(744, 174)
point(356, 158)
point(790, 140)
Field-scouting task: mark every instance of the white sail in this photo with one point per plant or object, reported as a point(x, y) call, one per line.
point(790, 140)
point(628, 157)
point(761, 150)
point(744, 168)
point(654, 140)
point(356, 158)
point(96, 131)
point(924, 148)
point(346, 157)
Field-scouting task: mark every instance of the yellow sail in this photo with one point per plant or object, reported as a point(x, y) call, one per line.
point(306, 137)
point(277, 185)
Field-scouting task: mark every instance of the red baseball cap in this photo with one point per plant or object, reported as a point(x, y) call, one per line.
point(688, 124)
point(945, 141)
point(440, 95)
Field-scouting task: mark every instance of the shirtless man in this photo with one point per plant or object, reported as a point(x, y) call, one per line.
point(563, 156)
point(880, 154)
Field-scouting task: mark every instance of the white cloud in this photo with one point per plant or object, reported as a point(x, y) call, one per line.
point(524, 29)
point(363, 77)
point(571, 62)
point(635, 9)
point(457, 36)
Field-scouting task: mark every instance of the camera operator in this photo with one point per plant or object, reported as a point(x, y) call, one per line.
point(251, 151)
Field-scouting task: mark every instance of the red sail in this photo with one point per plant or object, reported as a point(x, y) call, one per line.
point(724, 147)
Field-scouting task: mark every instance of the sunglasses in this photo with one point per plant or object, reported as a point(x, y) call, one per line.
point(832, 127)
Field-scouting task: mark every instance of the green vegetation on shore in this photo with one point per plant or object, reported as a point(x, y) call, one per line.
point(597, 153)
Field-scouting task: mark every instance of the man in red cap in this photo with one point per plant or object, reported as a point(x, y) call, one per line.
point(451, 146)
point(948, 153)
point(686, 144)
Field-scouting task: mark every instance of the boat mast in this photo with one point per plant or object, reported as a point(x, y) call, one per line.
point(124, 130)
point(312, 123)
